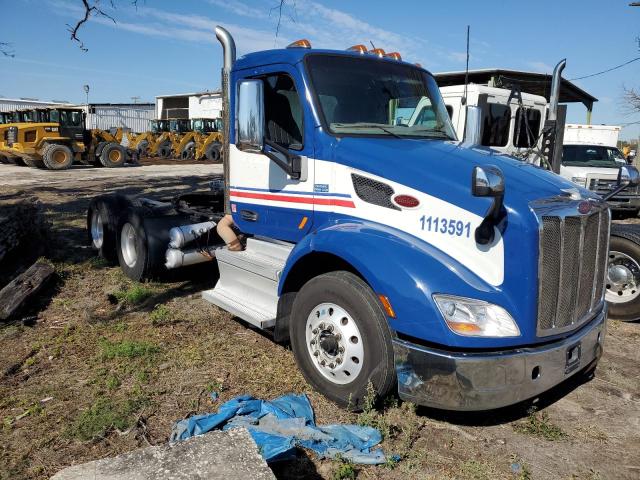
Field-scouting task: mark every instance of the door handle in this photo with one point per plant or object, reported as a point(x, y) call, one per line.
point(249, 215)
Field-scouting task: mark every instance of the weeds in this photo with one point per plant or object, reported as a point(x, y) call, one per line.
point(103, 415)
point(134, 294)
point(112, 382)
point(538, 424)
point(127, 349)
point(370, 417)
point(160, 315)
point(345, 470)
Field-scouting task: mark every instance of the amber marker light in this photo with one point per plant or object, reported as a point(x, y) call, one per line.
point(386, 304)
point(358, 48)
point(394, 56)
point(302, 43)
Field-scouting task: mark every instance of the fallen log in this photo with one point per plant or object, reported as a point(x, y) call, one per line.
point(20, 289)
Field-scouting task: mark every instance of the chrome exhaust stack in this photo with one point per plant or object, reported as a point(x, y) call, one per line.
point(229, 58)
point(553, 133)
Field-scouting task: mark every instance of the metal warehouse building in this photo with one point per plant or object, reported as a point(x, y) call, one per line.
point(190, 105)
point(134, 116)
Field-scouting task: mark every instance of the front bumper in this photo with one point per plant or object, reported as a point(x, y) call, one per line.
point(624, 203)
point(487, 380)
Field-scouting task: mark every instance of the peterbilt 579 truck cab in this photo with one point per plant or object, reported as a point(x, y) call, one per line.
point(386, 254)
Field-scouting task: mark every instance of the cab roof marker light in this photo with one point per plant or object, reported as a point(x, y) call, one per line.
point(394, 56)
point(419, 65)
point(377, 51)
point(361, 49)
point(302, 43)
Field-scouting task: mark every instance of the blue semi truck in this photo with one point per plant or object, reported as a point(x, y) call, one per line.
point(386, 254)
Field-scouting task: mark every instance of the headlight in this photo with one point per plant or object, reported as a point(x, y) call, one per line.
point(475, 318)
point(582, 181)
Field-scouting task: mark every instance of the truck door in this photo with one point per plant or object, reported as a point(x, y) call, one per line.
point(265, 200)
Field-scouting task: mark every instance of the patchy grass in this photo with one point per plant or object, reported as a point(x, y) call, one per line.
point(134, 294)
point(539, 424)
point(160, 315)
point(103, 415)
point(127, 349)
point(476, 470)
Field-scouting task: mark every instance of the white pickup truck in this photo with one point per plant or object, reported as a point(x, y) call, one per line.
point(591, 159)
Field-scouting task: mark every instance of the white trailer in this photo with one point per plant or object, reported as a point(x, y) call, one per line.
point(606, 135)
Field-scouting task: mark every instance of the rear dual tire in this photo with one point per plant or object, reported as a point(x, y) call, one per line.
point(341, 339)
point(103, 218)
point(140, 255)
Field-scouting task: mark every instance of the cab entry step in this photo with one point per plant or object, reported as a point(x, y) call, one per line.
point(248, 284)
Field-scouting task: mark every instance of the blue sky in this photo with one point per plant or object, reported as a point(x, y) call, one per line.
point(167, 47)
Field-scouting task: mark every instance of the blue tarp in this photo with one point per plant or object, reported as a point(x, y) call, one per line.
point(279, 426)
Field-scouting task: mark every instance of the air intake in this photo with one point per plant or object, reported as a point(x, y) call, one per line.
point(373, 191)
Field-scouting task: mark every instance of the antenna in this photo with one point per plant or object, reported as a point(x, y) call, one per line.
point(466, 71)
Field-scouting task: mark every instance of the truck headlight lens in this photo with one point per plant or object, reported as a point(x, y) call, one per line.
point(582, 181)
point(476, 318)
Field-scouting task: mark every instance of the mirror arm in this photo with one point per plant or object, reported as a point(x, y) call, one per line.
point(615, 191)
point(293, 164)
point(485, 232)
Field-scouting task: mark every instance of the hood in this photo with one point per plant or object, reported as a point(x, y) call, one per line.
point(444, 169)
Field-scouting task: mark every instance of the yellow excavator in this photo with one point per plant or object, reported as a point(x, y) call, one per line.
point(62, 138)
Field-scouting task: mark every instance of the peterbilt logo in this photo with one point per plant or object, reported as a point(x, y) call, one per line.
point(585, 207)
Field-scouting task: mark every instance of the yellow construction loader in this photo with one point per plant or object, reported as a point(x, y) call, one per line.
point(63, 138)
point(208, 142)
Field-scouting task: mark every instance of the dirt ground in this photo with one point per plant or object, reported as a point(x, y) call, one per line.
point(100, 366)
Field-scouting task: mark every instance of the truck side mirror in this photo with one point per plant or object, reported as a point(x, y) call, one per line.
point(628, 174)
point(488, 181)
point(250, 116)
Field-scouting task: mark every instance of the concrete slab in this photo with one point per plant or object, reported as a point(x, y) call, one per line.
point(215, 455)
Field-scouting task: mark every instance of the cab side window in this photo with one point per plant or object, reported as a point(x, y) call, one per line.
point(283, 112)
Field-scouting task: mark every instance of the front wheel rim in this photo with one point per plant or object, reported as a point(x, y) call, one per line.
point(128, 241)
point(334, 343)
point(97, 230)
point(623, 278)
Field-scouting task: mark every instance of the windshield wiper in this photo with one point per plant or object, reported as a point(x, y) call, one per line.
point(436, 133)
point(366, 125)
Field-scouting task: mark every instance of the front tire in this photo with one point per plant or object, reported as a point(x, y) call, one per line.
point(113, 155)
point(57, 157)
point(623, 276)
point(341, 339)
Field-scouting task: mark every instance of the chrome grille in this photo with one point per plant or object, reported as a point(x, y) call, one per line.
point(573, 255)
point(603, 186)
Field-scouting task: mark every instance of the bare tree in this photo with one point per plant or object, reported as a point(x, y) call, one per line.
point(6, 50)
point(631, 96)
point(92, 9)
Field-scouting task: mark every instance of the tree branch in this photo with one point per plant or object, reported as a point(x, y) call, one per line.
point(6, 49)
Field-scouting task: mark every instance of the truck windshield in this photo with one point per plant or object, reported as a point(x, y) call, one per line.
point(366, 96)
point(591, 156)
